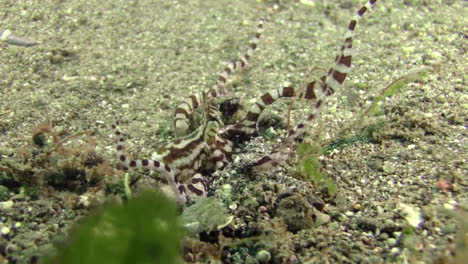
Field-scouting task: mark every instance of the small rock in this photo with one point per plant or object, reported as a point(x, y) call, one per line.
point(296, 213)
point(263, 256)
point(339, 216)
point(316, 202)
point(367, 224)
point(357, 207)
point(321, 219)
point(384, 236)
point(394, 251)
point(5, 230)
point(391, 241)
point(6, 205)
point(449, 206)
point(388, 168)
point(411, 214)
point(233, 206)
point(435, 55)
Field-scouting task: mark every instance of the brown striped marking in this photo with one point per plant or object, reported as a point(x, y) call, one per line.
point(267, 99)
point(310, 94)
point(335, 72)
point(194, 190)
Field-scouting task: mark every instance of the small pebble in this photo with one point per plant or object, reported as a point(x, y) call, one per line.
point(449, 206)
point(6, 205)
point(321, 219)
point(394, 250)
point(263, 256)
point(391, 241)
point(357, 206)
point(339, 216)
point(233, 206)
point(388, 167)
point(5, 230)
point(435, 55)
point(384, 235)
point(349, 213)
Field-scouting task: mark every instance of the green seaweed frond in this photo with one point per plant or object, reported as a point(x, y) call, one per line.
point(144, 230)
point(309, 167)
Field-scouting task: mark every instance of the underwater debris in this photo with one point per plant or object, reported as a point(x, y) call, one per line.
point(9, 38)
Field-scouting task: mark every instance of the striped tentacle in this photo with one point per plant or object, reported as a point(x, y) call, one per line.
point(185, 153)
point(184, 156)
point(184, 111)
point(173, 161)
point(155, 165)
point(320, 90)
point(241, 63)
point(220, 149)
point(221, 152)
point(248, 126)
point(183, 115)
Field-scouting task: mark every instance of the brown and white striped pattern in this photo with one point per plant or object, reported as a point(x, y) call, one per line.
point(248, 126)
point(319, 91)
point(185, 156)
point(210, 146)
point(184, 111)
point(155, 165)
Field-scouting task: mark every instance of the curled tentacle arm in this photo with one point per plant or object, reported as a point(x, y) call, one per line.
point(320, 90)
point(184, 111)
point(156, 165)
